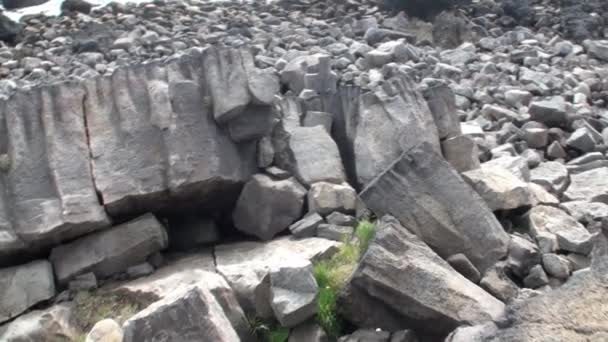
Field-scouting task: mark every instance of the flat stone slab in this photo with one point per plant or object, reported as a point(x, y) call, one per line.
point(590, 185)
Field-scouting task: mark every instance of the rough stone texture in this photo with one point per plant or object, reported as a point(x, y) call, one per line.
point(189, 315)
point(586, 212)
point(24, 286)
point(308, 332)
point(551, 112)
point(246, 266)
point(462, 152)
point(366, 335)
point(556, 266)
point(442, 104)
point(571, 235)
point(553, 176)
point(106, 330)
point(523, 255)
point(517, 165)
point(307, 226)
point(311, 155)
point(53, 324)
point(428, 197)
point(266, 207)
point(153, 140)
point(110, 251)
point(536, 278)
point(461, 264)
point(293, 293)
point(254, 123)
point(590, 185)
point(335, 232)
point(499, 188)
point(408, 283)
point(325, 198)
point(47, 191)
point(498, 283)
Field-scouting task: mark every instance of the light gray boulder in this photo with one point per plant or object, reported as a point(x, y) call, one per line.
point(307, 226)
point(253, 123)
point(401, 281)
point(293, 292)
point(517, 165)
point(266, 206)
point(110, 251)
point(499, 188)
point(55, 323)
point(325, 198)
point(106, 330)
point(188, 314)
point(442, 104)
point(23, 286)
point(553, 176)
point(571, 235)
point(556, 266)
point(461, 151)
point(597, 48)
point(590, 185)
point(429, 198)
point(586, 212)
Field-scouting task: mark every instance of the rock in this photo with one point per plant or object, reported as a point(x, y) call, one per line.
point(311, 155)
point(442, 104)
point(172, 150)
point(293, 75)
point(265, 152)
point(399, 268)
point(110, 251)
point(106, 330)
point(367, 335)
point(552, 176)
point(308, 332)
point(76, 6)
point(523, 255)
point(54, 323)
point(581, 140)
point(517, 165)
point(536, 137)
point(307, 226)
point(8, 29)
point(189, 313)
point(442, 219)
point(246, 266)
point(597, 49)
point(266, 207)
point(461, 264)
point(140, 270)
point(253, 123)
point(293, 293)
point(571, 235)
point(590, 185)
point(556, 151)
point(536, 278)
point(556, 266)
point(462, 152)
point(499, 188)
point(404, 336)
point(13, 4)
point(541, 196)
point(578, 262)
point(516, 98)
point(341, 219)
point(520, 10)
point(494, 112)
point(24, 286)
point(335, 232)
point(188, 231)
point(498, 283)
point(551, 112)
point(83, 282)
point(323, 119)
point(586, 212)
point(325, 198)
point(419, 9)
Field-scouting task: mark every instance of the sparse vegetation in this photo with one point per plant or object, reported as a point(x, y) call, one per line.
point(332, 275)
point(268, 331)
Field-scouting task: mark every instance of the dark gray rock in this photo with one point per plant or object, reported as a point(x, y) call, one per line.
point(55, 322)
point(8, 29)
point(188, 231)
point(13, 4)
point(366, 335)
point(461, 264)
point(499, 188)
point(266, 206)
point(536, 278)
point(253, 123)
point(307, 226)
point(110, 251)
point(523, 255)
point(442, 104)
point(293, 293)
point(551, 112)
point(341, 219)
point(452, 218)
point(556, 266)
point(308, 332)
point(335, 232)
point(81, 6)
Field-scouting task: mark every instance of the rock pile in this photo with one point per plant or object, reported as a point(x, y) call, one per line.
point(137, 143)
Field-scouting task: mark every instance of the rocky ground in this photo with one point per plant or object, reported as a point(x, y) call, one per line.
point(305, 171)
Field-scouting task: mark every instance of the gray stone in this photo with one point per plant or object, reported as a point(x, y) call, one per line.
point(323, 119)
point(404, 336)
point(494, 112)
point(536, 137)
point(294, 72)
point(581, 140)
point(265, 152)
point(523, 255)
point(266, 207)
point(308, 332)
point(541, 196)
point(188, 314)
point(188, 231)
point(551, 112)
point(83, 282)
point(428, 197)
point(586, 212)
point(597, 48)
point(307, 226)
point(461, 264)
point(442, 104)
point(293, 293)
point(335, 232)
point(110, 251)
point(556, 266)
point(578, 262)
point(462, 152)
point(140, 270)
point(499, 188)
point(536, 278)
point(106, 330)
point(253, 123)
point(517, 165)
point(571, 235)
point(498, 284)
point(341, 219)
point(325, 198)
point(401, 281)
point(23, 286)
point(311, 155)
point(55, 323)
point(263, 84)
point(366, 335)
point(590, 185)
point(276, 173)
point(553, 176)
point(516, 98)
point(556, 151)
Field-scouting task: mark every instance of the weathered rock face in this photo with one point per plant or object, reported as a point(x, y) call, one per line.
point(110, 251)
point(11, 4)
point(590, 185)
point(55, 323)
point(106, 330)
point(189, 314)
point(174, 148)
point(293, 293)
point(24, 286)
point(400, 279)
point(499, 188)
point(429, 197)
point(48, 194)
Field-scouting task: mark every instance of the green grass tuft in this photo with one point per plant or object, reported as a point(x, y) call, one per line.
point(365, 233)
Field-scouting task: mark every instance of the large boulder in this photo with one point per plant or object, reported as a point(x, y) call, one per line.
point(167, 145)
point(401, 281)
point(266, 206)
point(110, 251)
point(442, 104)
point(590, 185)
point(293, 292)
point(8, 29)
point(429, 197)
point(187, 314)
point(551, 175)
point(52, 324)
point(23, 286)
point(499, 188)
